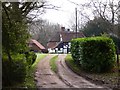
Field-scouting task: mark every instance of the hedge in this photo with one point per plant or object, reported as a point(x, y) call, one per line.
point(94, 54)
point(30, 57)
point(14, 73)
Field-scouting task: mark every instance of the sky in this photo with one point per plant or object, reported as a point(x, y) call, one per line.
point(65, 16)
point(66, 12)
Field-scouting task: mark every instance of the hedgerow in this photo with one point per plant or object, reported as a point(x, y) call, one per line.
point(94, 54)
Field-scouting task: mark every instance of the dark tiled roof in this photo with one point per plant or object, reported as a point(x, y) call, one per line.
point(55, 38)
point(51, 44)
point(68, 36)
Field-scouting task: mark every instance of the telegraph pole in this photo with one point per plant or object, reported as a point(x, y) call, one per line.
point(76, 20)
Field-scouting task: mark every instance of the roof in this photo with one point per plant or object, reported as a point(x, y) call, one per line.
point(68, 36)
point(51, 44)
point(37, 43)
point(55, 38)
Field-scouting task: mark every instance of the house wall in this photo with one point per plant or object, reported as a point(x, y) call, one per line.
point(61, 48)
point(66, 47)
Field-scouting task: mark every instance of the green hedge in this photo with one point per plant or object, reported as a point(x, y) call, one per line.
point(30, 57)
point(13, 72)
point(94, 54)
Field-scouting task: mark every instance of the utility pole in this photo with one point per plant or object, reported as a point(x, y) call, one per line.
point(76, 20)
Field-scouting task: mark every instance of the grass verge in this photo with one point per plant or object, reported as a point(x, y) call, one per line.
point(109, 79)
point(29, 81)
point(70, 62)
point(53, 63)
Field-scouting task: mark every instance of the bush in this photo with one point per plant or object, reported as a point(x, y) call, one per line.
point(116, 41)
point(95, 54)
point(13, 72)
point(30, 57)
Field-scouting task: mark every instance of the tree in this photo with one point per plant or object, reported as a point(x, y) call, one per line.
point(105, 9)
point(42, 30)
point(12, 28)
point(96, 27)
point(15, 16)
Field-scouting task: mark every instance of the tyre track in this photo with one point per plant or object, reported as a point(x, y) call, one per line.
point(45, 78)
point(70, 78)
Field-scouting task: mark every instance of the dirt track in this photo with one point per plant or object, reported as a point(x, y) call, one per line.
point(45, 78)
point(70, 78)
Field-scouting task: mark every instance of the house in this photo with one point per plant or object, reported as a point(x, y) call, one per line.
point(60, 43)
point(36, 46)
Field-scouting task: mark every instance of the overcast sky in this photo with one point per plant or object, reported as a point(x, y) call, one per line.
point(66, 12)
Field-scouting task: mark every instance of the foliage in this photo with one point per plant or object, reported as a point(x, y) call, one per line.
point(108, 79)
point(116, 41)
point(13, 27)
point(96, 27)
point(13, 72)
point(30, 57)
point(75, 50)
point(96, 54)
point(14, 37)
point(53, 63)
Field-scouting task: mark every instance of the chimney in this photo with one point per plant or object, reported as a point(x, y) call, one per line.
point(62, 28)
point(68, 29)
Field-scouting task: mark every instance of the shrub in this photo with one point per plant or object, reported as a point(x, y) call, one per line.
point(116, 41)
point(30, 57)
point(95, 54)
point(13, 72)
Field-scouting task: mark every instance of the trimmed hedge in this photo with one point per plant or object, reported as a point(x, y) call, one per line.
point(94, 54)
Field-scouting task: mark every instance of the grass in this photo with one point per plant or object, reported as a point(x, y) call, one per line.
point(106, 79)
point(53, 63)
point(29, 81)
point(72, 64)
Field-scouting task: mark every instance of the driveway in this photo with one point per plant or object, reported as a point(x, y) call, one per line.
point(45, 78)
point(70, 78)
point(65, 78)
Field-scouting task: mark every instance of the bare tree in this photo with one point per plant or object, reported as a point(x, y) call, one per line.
point(106, 9)
point(43, 30)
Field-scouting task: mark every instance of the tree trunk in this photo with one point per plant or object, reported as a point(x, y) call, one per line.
point(9, 56)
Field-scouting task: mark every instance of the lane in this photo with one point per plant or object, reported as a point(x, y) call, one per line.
point(70, 78)
point(45, 78)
